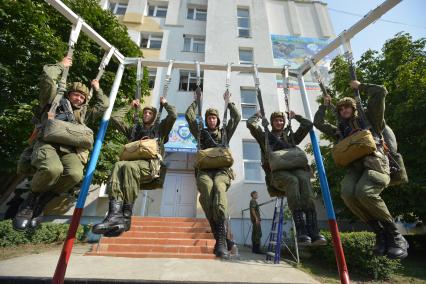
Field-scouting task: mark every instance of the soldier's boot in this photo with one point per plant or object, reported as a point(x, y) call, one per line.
point(312, 227)
point(13, 207)
point(221, 249)
point(256, 249)
point(113, 222)
point(23, 218)
point(379, 247)
point(43, 200)
point(127, 214)
point(397, 246)
point(213, 229)
point(302, 235)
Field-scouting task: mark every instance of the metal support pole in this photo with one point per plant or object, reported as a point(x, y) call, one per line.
point(61, 267)
point(338, 249)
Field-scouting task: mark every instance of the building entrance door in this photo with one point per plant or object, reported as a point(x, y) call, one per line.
point(179, 195)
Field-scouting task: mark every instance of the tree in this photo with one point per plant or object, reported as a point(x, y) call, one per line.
point(401, 68)
point(34, 34)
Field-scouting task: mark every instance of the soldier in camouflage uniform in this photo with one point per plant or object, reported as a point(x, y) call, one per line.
point(129, 177)
point(366, 178)
point(256, 234)
point(58, 167)
point(295, 184)
point(213, 184)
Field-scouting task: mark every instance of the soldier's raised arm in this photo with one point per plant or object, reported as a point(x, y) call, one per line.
point(118, 120)
point(191, 118)
point(304, 128)
point(233, 121)
point(375, 105)
point(320, 123)
point(255, 130)
point(101, 103)
point(166, 124)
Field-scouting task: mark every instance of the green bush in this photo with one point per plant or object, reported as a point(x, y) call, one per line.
point(47, 233)
point(359, 257)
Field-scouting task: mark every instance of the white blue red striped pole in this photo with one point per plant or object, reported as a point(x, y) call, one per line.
point(338, 249)
point(61, 267)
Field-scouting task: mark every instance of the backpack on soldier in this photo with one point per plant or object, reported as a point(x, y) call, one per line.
point(398, 173)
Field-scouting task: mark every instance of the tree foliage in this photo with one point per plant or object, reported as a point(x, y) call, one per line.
point(34, 34)
point(401, 68)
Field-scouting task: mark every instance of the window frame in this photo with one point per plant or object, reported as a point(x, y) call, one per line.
point(259, 162)
point(117, 5)
point(244, 28)
point(193, 39)
point(195, 12)
point(152, 76)
point(191, 75)
point(155, 12)
point(245, 49)
point(151, 37)
point(256, 105)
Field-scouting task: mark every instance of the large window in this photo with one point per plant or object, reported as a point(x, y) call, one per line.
point(193, 44)
point(152, 41)
point(248, 102)
point(118, 8)
point(246, 56)
point(243, 16)
point(188, 81)
point(252, 164)
point(157, 11)
point(197, 14)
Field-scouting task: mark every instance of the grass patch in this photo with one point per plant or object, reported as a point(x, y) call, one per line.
point(26, 249)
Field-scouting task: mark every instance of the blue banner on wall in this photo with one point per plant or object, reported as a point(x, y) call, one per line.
point(180, 138)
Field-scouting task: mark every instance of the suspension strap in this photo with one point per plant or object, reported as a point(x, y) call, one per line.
point(262, 109)
point(198, 94)
point(286, 89)
point(225, 112)
point(349, 57)
point(62, 84)
point(136, 121)
point(317, 76)
point(167, 81)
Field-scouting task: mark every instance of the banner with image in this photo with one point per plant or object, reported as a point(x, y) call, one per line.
point(180, 138)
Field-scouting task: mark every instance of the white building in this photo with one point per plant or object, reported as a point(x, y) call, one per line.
point(265, 32)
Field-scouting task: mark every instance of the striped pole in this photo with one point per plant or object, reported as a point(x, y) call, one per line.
point(61, 267)
point(338, 249)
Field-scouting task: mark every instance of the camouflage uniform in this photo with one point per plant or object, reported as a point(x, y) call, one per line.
point(58, 168)
point(256, 234)
point(366, 178)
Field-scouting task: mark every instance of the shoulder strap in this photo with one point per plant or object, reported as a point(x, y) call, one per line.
point(136, 122)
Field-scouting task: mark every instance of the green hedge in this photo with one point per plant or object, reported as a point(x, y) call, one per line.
point(359, 257)
point(47, 233)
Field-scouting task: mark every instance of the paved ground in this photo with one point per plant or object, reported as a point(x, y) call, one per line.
point(249, 268)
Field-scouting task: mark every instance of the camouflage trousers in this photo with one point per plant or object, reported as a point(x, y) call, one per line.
point(297, 187)
point(361, 190)
point(127, 178)
point(256, 234)
point(212, 186)
point(55, 170)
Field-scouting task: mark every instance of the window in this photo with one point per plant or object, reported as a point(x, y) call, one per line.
point(188, 81)
point(152, 74)
point(193, 44)
point(252, 164)
point(118, 8)
point(197, 14)
point(152, 41)
point(157, 11)
point(248, 102)
point(246, 56)
point(243, 16)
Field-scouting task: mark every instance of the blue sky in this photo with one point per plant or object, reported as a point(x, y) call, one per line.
point(409, 12)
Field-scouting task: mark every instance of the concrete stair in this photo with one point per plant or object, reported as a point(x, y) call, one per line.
point(160, 237)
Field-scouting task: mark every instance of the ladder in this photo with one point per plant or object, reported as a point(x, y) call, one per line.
point(276, 239)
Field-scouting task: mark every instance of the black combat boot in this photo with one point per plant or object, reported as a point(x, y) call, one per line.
point(221, 248)
point(213, 229)
point(114, 221)
point(302, 235)
point(127, 213)
point(23, 218)
point(312, 228)
point(13, 207)
point(396, 245)
point(379, 247)
point(43, 200)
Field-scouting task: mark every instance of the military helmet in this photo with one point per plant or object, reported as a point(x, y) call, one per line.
point(153, 109)
point(79, 87)
point(346, 101)
point(276, 114)
point(212, 111)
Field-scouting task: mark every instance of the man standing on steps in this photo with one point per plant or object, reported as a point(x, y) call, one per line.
point(256, 234)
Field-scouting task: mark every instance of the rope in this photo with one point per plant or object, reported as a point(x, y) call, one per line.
point(225, 113)
point(286, 89)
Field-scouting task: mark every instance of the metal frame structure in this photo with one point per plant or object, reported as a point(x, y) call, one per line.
point(345, 36)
